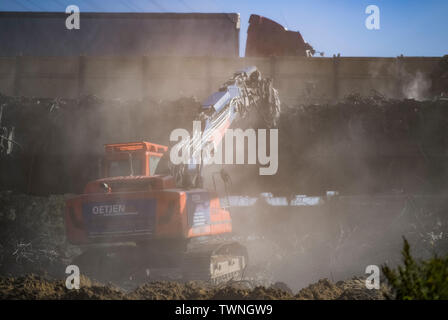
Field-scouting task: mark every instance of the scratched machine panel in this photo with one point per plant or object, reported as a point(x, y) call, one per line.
point(120, 217)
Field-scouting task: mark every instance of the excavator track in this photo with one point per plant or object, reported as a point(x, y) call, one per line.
point(215, 263)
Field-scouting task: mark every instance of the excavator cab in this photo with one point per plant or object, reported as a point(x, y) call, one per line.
point(133, 220)
point(131, 159)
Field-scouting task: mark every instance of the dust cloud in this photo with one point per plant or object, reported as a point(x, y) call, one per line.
point(417, 86)
point(382, 156)
point(339, 238)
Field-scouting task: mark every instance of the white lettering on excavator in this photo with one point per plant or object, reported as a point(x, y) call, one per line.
point(109, 209)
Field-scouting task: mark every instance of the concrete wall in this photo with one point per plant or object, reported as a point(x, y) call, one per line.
point(299, 80)
point(120, 34)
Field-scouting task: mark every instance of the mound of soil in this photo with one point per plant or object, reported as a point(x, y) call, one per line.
point(353, 289)
point(32, 287)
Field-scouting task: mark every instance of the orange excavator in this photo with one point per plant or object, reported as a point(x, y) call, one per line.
point(149, 218)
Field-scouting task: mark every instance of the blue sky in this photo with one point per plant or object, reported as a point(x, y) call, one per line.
point(411, 28)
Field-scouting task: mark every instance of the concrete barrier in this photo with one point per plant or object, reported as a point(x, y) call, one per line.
point(299, 80)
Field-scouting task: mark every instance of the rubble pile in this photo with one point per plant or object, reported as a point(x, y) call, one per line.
point(363, 145)
point(58, 141)
point(86, 121)
point(33, 287)
point(355, 145)
point(352, 289)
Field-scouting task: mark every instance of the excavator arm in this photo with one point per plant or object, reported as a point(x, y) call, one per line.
point(245, 94)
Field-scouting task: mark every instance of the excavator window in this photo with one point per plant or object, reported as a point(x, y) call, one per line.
point(125, 167)
point(153, 162)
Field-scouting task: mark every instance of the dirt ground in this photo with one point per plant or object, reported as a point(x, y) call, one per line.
point(33, 287)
